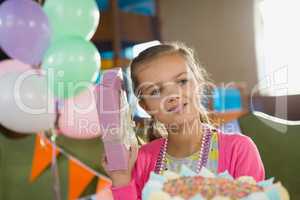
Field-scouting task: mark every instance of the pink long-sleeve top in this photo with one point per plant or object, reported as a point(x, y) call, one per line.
point(237, 154)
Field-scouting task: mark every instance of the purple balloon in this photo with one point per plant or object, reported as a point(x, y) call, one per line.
point(25, 31)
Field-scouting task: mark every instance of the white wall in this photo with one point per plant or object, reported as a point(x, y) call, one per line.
point(220, 31)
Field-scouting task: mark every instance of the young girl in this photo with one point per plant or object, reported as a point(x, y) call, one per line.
point(169, 85)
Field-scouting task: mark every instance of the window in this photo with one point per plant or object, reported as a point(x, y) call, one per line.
point(278, 46)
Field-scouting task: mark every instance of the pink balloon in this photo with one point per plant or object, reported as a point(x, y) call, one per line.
point(78, 116)
point(8, 66)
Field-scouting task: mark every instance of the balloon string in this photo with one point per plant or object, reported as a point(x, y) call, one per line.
point(54, 167)
point(57, 111)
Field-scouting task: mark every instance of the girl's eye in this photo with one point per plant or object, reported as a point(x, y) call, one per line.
point(183, 81)
point(154, 92)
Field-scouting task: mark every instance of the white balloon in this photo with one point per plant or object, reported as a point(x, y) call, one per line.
point(26, 106)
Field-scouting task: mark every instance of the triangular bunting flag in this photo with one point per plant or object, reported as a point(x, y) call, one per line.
point(42, 156)
point(79, 178)
point(102, 184)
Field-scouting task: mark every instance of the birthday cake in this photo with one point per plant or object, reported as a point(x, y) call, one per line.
point(206, 186)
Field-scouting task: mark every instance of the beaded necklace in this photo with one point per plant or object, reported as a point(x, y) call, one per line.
point(203, 153)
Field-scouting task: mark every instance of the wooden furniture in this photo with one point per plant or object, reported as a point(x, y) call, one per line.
point(284, 107)
point(119, 29)
point(219, 118)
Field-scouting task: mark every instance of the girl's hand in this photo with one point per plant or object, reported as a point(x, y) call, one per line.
point(122, 177)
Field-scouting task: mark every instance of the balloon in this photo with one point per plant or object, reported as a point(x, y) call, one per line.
point(73, 17)
point(25, 104)
point(25, 31)
point(7, 66)
point(78, 116)
point(72, 64)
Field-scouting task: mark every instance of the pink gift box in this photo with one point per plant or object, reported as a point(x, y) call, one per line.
point(108, 95)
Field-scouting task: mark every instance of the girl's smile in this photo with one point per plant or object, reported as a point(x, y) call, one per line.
point(178, 108)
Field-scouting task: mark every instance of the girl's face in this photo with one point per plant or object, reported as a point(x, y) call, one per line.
point(168, 90)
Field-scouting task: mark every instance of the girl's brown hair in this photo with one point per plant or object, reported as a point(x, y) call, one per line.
point(198, 71)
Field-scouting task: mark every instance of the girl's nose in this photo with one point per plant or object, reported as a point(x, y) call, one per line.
point(171, 90)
